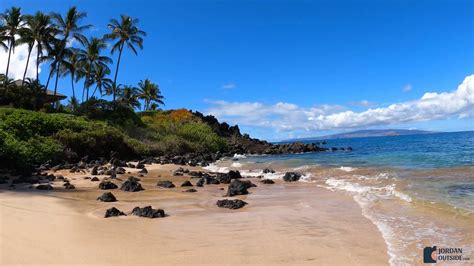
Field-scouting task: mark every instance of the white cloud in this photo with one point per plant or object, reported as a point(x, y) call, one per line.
point(229, 86)
point(407, 88)
point(363, 103)
point(18, 62)
point(289, 117)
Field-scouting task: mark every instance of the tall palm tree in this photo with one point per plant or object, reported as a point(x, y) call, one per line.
point(91, 58)
point(72, 67)
point(127, 33)
point(128, 95)
point(58, 53)
point(69, 30)
point(149, 92)
point(101, 81)
point(13, 21)
point(38, 30)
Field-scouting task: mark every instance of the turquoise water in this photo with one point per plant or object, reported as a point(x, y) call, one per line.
point(437, 167)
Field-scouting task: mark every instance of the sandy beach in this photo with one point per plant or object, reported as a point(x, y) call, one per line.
point(283, 223)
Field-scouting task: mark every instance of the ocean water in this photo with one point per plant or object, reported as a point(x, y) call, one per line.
point(418, 190)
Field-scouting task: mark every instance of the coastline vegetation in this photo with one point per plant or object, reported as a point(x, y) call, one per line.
point(105, 117)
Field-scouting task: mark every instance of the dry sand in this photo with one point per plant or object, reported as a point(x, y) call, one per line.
point(284, 223)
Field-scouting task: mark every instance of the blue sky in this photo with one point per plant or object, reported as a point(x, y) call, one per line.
point(240, 59)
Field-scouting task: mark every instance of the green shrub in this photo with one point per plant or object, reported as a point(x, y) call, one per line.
point(202, 137)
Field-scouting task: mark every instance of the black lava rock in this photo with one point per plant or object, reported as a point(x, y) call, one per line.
point(267, 181)
point(166, 184)
point(143, 171)
point(200, 182)
point(148, 212)
point(238, 187)
point(107, 185)
point(112, 212)
point(68, 185)
point(268, 171)
point(131, 185)
point(44, 187)
point(190, 190)
point(107, 197)
point(291, 176)
point(187, 183)
point(231, 204)
point(95, 179)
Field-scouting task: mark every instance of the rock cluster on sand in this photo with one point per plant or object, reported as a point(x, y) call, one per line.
point(107, 185)
point(238, 187)
point(148, 212)
point(113, 212)
point(131, 185)
point(231, 204)
point(107, 197)
point(165, 184)
point(227, 178)
point(267, 181)
point(291, 176)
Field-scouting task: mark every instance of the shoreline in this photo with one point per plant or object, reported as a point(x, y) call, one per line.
point(283, 223)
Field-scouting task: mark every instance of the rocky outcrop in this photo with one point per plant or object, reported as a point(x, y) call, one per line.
point(291, 176)
point(148, 212)
point(231, 204)
point(44, 187)
point(107, 185)
point(239, 187)
point(165, 184)
point(113, 212)
point(107, 197)
point(132, 185)
point(187, 183)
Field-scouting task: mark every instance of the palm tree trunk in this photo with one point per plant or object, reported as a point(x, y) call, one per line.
point(72, 85)
point(49, 78)
point(56, 84)
point(26, 68)
point(94, 91)
point(8, 62)
point(116, 72)
point(37, 62)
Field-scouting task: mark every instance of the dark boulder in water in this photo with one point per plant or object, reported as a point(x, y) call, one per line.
point(267, 181)
point(187, 183)
point(268, 171)
point(165, 184)
point(227, 178)
point(238, 187)
point(112, 212)
point(107, 185)
point(44, 187)
point(107, 197)
point(131, 185)
point(231, 204)
point(148, 212)
point(291, 176)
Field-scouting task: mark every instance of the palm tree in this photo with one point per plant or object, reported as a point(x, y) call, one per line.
point(128, 95)
point(70, 30)
point(127, 33)
point(39, 30)
point(72, 67)
point(101, 81)
point(91, 58)
point(13, 21)
point(149, 92)
point(58, 54)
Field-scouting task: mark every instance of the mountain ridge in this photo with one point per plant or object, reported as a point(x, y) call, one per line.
point(366, 133)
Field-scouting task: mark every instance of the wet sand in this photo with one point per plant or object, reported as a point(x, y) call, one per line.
point(283, 223)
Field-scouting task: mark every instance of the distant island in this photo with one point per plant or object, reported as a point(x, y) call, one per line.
point(367, 133)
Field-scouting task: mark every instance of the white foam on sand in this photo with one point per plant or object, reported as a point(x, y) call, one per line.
point(236, 165)
point(347, 168)
point(239, 156)
point(365, 196)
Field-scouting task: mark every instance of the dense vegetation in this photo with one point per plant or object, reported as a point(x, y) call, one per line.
point(29, 138)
